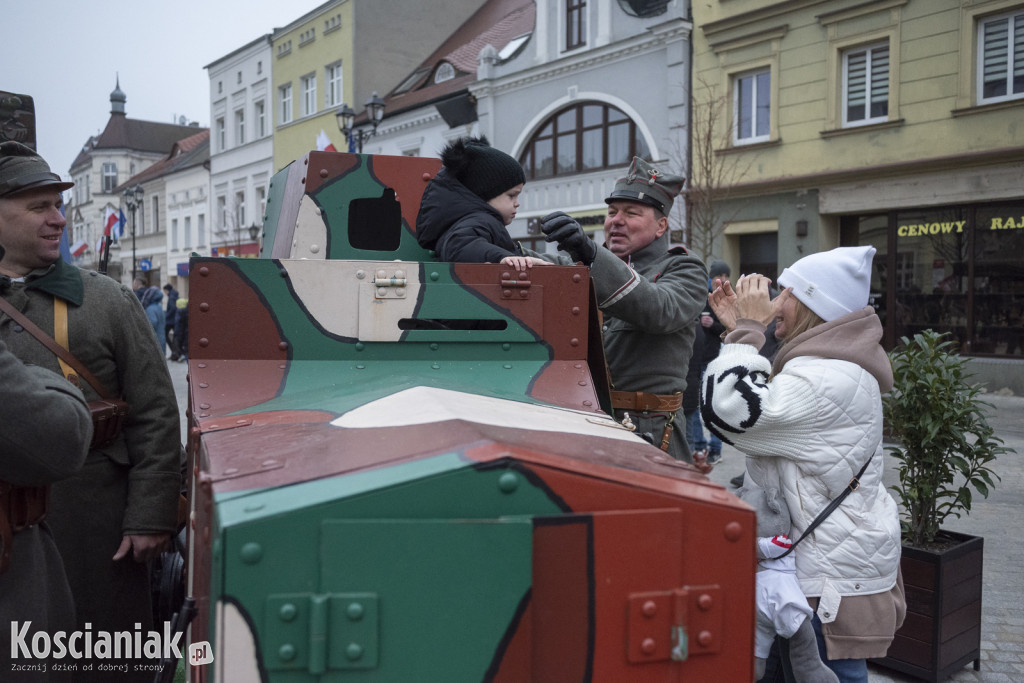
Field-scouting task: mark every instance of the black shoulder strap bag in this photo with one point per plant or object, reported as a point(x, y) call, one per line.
point(850, 488)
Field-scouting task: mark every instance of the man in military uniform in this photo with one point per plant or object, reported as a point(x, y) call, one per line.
point(650, 296)
point(120, 509)
point(44, 435)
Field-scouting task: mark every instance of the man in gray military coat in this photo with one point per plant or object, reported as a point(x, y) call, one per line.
point(650, 295)
point(120, 509)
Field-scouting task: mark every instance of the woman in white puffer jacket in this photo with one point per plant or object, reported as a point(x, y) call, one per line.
point(808, 422)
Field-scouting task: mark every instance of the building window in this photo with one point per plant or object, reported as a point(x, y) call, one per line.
point(445, 72)
point(259, 67)
point(866, 85)
point(285, 98)
point(261, 199)
point(188, 231)
point(1001, 58)
point(575, 24)
point(584, 137)
point(307, 36)
point(174, 233)
point(239, 126)
point(221, 135)
point(201, 230)
point(308, 95)
point(239, 78)
point(284, 49)
point(239, 210)
point(332, 98)
point(155, 203)
point(261, 119)
point(644, 8)
point(222, 212)
point(751, 107)
point(109, 176)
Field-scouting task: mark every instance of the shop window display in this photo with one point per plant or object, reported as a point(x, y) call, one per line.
point(951, 269)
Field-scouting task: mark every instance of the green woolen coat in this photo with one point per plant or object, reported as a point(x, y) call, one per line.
point(130, 486)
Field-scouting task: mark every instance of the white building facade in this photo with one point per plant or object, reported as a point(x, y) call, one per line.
point(241, 148)
point(596, 83)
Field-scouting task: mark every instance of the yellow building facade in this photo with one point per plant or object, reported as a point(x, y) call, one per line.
point(343, 52)
point(313, 77)
point(896, 123)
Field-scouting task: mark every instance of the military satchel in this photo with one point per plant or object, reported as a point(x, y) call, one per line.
point(108, 412)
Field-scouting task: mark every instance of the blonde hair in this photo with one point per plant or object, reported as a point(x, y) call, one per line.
point(805, 320)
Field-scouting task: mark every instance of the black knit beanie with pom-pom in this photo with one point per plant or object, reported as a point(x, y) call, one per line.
point(484, 170)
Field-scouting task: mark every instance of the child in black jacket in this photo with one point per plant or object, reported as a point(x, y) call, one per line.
point(465, 208)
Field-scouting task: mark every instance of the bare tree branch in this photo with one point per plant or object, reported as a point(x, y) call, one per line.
point(714, 170)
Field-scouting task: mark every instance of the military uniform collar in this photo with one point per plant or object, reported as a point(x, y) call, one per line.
point(59, 279)
point(641, 258)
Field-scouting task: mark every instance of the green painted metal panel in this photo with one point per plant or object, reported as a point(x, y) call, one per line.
point(245, 506)
point(340, 387)
point(335, 198)
point(268, 537)
point(401, 562)
point(442, 297)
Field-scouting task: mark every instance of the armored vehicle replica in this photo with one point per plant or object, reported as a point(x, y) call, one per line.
point(405, 470)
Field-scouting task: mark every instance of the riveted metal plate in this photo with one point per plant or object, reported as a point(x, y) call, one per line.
point(321, 632)
point(674, 624)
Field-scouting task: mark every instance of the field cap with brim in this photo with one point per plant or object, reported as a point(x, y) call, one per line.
point(646, 184)
point(832, 283)
point(21, 169)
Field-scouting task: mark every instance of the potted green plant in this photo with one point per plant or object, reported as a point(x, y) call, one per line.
point(945, 449)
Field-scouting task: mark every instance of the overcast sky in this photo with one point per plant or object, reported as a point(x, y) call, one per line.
point(67, 54)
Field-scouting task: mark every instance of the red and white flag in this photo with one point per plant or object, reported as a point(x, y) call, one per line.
point(79, 248)
point(113, 224)
point(323, 143)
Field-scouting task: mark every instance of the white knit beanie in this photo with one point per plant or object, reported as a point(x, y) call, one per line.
point(832, 283)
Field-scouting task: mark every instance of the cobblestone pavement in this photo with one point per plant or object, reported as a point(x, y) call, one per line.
point(999, 518)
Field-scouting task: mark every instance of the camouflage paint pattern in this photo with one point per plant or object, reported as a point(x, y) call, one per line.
point(380, 497)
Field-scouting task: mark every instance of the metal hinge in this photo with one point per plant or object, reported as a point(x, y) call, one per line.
point(675, 624)
point(389, 286)
point(321, 632)
point(518, 289)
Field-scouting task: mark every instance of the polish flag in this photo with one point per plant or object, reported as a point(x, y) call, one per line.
point(323, 143)
point(113, 224)
point(79, 248)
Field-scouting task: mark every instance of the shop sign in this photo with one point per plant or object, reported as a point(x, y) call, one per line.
point(944, 227)
point(926, 229)
point(1007, 223)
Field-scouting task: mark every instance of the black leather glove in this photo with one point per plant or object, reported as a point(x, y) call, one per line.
point(560, 228)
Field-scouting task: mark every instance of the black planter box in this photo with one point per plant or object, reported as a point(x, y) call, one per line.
point(942, 631)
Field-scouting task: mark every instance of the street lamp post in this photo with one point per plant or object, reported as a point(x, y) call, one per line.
point(346, 118)
point(133, 199)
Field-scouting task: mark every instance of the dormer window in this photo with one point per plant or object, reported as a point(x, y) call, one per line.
point(445, 72)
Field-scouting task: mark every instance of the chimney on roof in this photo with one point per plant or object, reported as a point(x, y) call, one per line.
point(117, 99)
